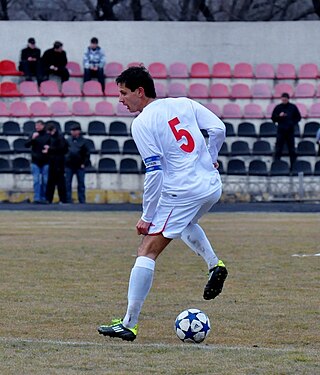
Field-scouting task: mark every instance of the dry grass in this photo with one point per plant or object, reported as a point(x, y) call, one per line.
point(62, 274)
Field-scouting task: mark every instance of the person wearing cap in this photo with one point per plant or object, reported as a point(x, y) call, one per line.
point(94, 60)
point(54, 61)
point(287, 116)
point(77, 158)
point(30, 62)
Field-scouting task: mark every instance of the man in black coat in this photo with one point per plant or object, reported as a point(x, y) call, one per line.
point(287, 116)
point(77, 158)
point(30, 62)
point(54, 61)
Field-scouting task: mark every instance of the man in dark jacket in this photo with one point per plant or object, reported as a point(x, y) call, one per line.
point(39, 161)
point(30, 62)
point(56, 150)
point(77, 158)
point(287, 116)
point(54, 61)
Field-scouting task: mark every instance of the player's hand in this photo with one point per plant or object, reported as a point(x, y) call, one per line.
point(142, 227)
point(216, 165)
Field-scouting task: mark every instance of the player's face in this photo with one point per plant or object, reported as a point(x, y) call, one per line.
point(131, 99)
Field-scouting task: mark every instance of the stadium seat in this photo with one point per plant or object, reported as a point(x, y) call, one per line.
point(178, 70)
point(5, 166)
point(301, 166)
point(317, 168)
point(246, 129)
point(240, 91)
point(279, 168)
point(286, 71)
point(134, 63)
point(261, 147)
point(118, 128)
point(74, 69)
point(19, 109)
point(113, 69)
point(243, 70)
point(198, 90)
point(121, 110)
point(261, 90)
point(257, 168)
point(177, 89)
point(269, 110)
point(302, 109)
point(230, 132)
point(213, 108)
point(236, 167)
point(224, 150)
point(308, 71)
point(9, 89)
point(71, 88)
point(110, 146)
point(264, 71)
point(129, 147)
point(297, 131)
point(231, 110)
point(11, 128)
point(252, 110)
point(239, 148)
point(29, 88)
point(318, 91)
point(81, 108)
point(92, 88)
point(310, 129)
point(280, 88)
point(161, 89)
point(40, 109)
point(49, 88)
point(158, 70)
point(130, 166)
point(21, 165)
point(200, 70)
point(60, 108)
point(68, 124)
point(268, 129)
point(5, 147)
point(107, 165)
point(19, 146)
point(4, 112)
point(8, 68)
point(219, 91)
point(104, 108)
point(92, 148)
point(111, 89)
point(96, 127)
point(221, 167)
point(29, 127)
point(304, 90)
point(306, 148)
point(314, 110)
point(221, 70)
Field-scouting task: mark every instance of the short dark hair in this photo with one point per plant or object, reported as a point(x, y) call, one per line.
point(285, 95)
point(138, 76)
point(57, 44)
point(94, 40)
point(50, 126)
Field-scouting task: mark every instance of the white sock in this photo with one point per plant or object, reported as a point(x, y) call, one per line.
point(139, 286)
point(198, 242)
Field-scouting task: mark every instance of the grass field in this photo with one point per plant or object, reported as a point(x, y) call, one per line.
point(64, 273)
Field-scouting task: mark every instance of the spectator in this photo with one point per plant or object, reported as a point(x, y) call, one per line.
point(318, 140)
point(77, 158)
point(94, 60)
point(30, 61)
point(39, 161)
point(287, 116)
point(54, 61)
point(56, 149)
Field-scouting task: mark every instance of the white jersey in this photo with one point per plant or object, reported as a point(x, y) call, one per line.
point(178, 162)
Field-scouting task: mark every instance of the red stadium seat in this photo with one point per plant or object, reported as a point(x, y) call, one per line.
point(60, 108)
point(158, 70)
point(161, 89)
point(81, 108)
point(74, 69)
point(219, 90)
point(213, 108)
point(71, 88)
point(243, 70)
point(264, 71)
point(280, 88)
point(318, 91)
point(135, 63)
point(178, 70)
point(286, 71)
point(104, 108)
point(305, 90)
point(269, 110)
point(261, 91)
point(240, 91)
point(40, 109)
point(231, 110)
point(19, 109)
point(113, 69)
point(29, 88)
point(221, 70)
point(303, 109)
point(177, 89)
point(308, 71)
point(92, 88)
point(8, 68)
point(252, 110)
point(121, 110)
point(111, 89)
point(198, 90)
point(4, 112)
point(200, 70)
point(49, 88)
point(9, 89)
point(314, 110)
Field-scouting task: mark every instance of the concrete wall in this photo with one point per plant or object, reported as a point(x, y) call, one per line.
point(147, 42)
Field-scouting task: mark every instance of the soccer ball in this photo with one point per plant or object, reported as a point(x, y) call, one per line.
point(192, 325)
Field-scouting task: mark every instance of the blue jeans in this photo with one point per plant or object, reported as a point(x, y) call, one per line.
point(80, 173)
point(40, 180)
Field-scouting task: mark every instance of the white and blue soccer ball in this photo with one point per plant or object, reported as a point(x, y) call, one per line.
point(192, 325)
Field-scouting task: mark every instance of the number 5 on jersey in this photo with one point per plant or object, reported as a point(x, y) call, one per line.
point(187, 146)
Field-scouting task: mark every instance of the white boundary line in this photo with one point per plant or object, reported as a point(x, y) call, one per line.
point(189, 346)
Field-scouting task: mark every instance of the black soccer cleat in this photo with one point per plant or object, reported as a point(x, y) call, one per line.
point(116, 329)
point(217, 276)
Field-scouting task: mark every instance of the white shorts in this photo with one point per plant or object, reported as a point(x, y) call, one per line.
point(171, 218)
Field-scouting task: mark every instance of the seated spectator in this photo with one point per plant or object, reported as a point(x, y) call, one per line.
point(94, 60)
point(54, 61)
point(30, 62)
point(318, 140)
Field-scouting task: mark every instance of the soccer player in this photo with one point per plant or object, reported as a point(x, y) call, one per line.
point(181, 184)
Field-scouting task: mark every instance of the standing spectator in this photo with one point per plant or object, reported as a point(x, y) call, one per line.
point(318, 140)
point(56, 149)
point(54, 61)
point(94, 60)
point(287, 116)
point(77, 158)
point(30, 61)
point(39, 161)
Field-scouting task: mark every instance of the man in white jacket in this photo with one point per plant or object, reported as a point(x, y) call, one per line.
point(94, 60)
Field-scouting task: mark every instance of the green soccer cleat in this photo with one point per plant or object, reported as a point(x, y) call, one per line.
point(217, 276)
point(116, 329)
